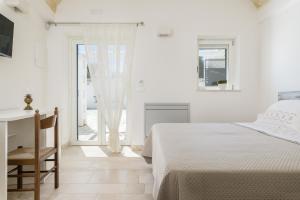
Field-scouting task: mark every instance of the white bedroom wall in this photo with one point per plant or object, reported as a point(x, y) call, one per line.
point(280, 47)
point(168, 65)
point(19, 75)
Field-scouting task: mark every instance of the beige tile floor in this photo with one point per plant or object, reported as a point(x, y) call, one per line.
point(92, 173)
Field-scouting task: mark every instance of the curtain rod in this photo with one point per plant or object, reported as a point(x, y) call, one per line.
point(81, 23)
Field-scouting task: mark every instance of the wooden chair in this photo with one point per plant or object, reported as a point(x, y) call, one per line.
point(35, 156)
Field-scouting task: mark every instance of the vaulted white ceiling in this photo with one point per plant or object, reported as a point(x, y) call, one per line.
point(259, 3)
point(54, 3)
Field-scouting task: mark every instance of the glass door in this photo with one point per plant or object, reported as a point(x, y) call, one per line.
point(91, 126)
point(87, 112)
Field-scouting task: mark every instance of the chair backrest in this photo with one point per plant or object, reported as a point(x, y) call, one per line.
point(49, 122)
point(42, 124)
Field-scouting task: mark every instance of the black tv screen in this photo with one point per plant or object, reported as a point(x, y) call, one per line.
point(6, 36)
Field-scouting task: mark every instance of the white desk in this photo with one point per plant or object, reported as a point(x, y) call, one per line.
point(18, 124)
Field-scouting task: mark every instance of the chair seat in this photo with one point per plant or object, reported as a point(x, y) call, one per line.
point(26, 156)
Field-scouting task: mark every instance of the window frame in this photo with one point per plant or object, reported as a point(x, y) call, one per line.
point(208, 47)
point(228, 43)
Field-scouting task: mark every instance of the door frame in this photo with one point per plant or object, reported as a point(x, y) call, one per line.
point(73, 42)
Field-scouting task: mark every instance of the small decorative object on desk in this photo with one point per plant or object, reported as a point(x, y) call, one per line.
point(222, 84)
point(28, 100)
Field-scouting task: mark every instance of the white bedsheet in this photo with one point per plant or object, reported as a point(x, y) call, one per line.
point(280, 131)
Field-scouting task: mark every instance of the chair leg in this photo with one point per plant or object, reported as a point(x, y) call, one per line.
point(20, 179)
point(56, 175)
point(37, 175)
point(20, 171)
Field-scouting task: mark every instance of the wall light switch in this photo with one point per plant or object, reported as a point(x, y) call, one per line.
point(140, 86)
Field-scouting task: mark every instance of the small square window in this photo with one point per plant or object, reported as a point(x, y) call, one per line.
point(216, 64)
point(212, 65)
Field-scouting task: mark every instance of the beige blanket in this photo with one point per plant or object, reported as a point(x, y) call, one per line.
point(222, 162)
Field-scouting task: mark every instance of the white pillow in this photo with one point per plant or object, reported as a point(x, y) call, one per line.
point(283, 113)
point(281, 120)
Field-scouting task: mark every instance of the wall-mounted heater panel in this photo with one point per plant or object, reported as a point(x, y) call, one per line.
point(165, 113)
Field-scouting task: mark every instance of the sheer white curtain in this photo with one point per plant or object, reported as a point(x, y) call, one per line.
point(109, 53)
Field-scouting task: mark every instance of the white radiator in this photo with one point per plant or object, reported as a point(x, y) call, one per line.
point(165, 113)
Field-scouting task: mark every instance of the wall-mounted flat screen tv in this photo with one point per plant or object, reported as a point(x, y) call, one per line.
point(6, 36)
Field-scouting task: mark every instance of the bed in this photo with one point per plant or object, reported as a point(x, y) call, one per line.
point(241, 161)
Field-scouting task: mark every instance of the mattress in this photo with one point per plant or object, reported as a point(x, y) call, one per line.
point(222, 162)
